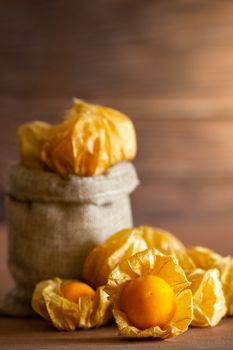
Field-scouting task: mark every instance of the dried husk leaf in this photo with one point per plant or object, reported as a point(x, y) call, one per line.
point(48, 302)
point(206, 259)
point(167, 243)
point(209, 305)
point(103, 258)
point(152, 262)
point(31, 138)
point(90, 140)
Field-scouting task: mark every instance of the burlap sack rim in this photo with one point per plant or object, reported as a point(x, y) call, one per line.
point(34, 184)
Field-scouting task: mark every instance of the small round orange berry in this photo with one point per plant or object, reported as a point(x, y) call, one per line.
point(148, 301)
point(74, 290)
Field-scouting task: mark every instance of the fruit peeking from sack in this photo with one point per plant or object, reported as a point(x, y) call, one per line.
point(31, 139)
point(90, 140)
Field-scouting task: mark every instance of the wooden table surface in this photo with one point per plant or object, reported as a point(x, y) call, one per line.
point(36, 333)
point(168, 65)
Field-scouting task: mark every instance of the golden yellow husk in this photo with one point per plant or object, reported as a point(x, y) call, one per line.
point(152, 262)
point(48, 302)
point(206, 259)
point(208, 297)
point(31, 138)
point(167, 243)
point(91, 139)
point(103, 258)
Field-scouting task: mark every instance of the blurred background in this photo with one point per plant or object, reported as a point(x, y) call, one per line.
point(167, 64)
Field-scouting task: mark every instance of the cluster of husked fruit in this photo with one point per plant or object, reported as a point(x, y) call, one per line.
point(148, 280)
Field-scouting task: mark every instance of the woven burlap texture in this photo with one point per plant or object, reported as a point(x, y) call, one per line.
point(53, 222)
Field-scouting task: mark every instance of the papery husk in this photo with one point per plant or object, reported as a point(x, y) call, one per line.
point(90, 140)
point(152, 262)
point(205, 259)
point(64, 314)
point(103, 258)
point(209, 305)
point(31, 139)
point(167, 243)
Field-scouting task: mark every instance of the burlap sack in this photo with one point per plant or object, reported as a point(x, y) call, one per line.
point(54, 222)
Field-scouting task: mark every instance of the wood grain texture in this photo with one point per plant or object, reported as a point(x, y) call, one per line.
point(168, 64)
point(118, 48)
point(25, 334)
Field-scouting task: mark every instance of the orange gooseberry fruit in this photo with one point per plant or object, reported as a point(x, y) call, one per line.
point(74, 290)
point(148, 301)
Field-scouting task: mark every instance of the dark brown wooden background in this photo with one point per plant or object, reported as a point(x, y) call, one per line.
point(167, 64)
